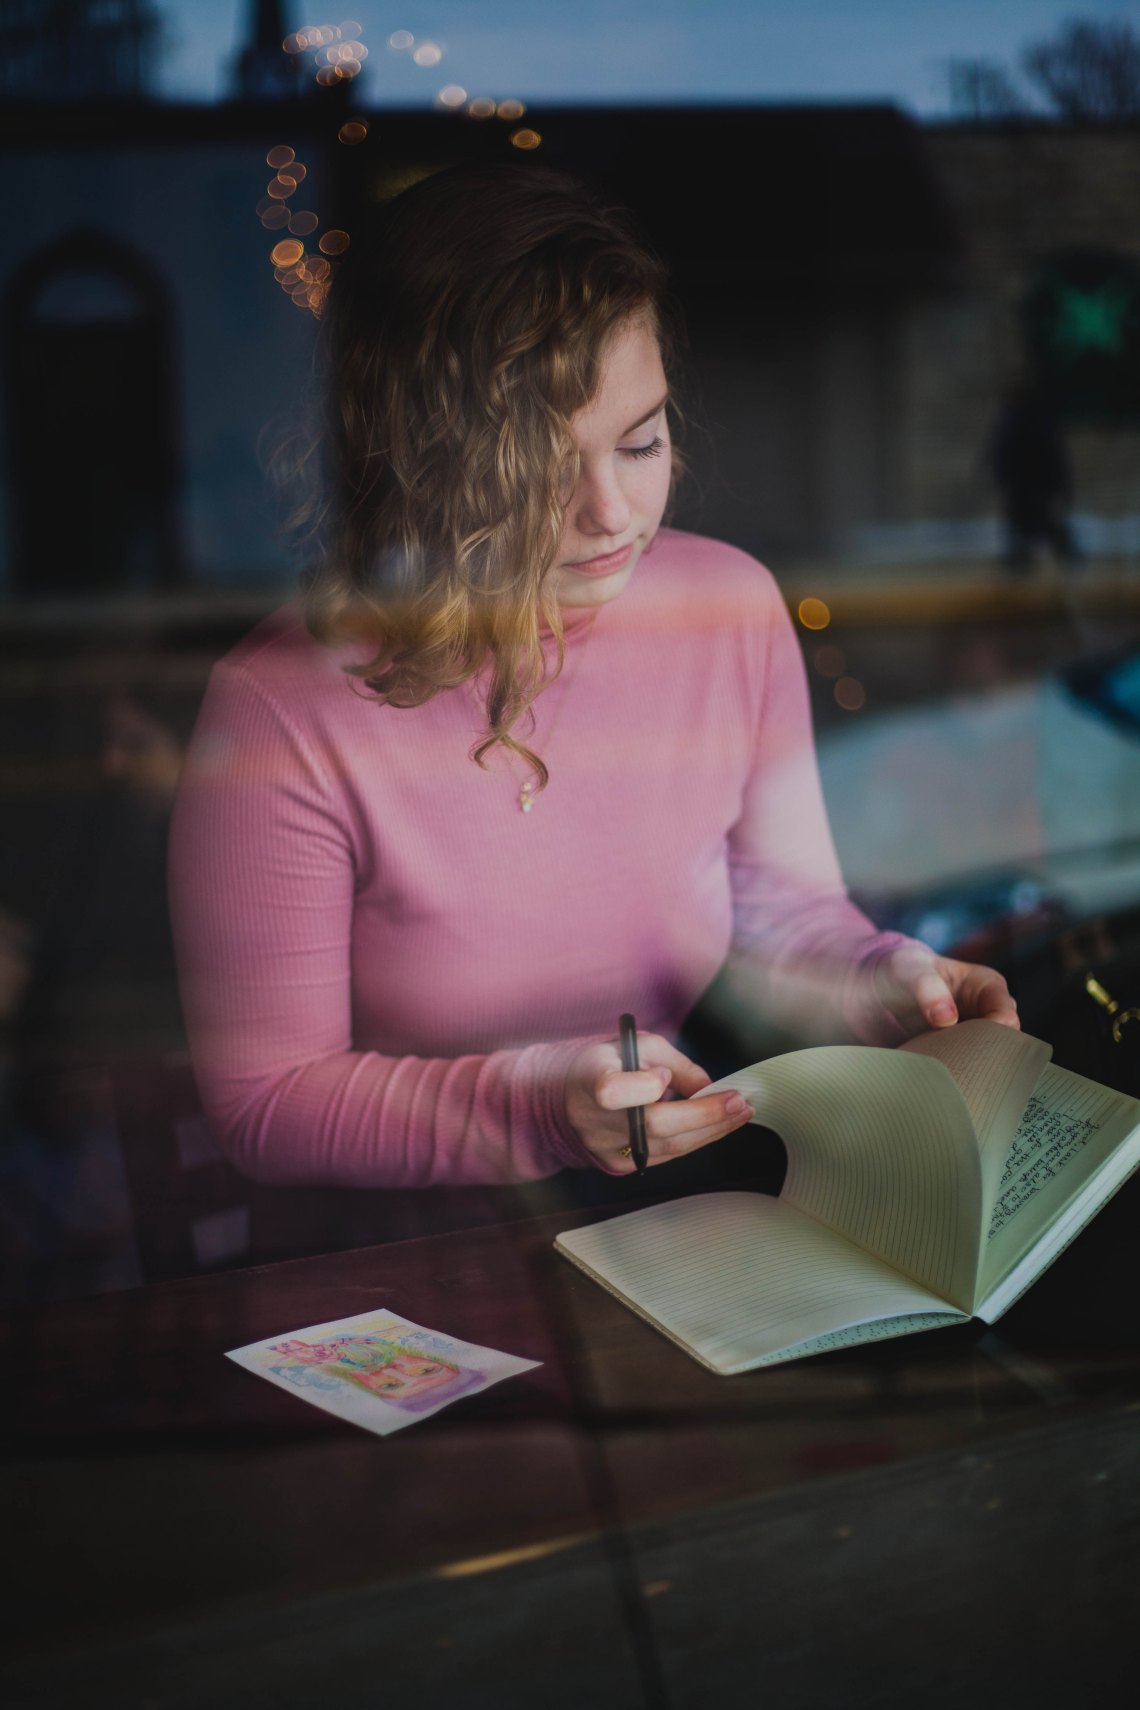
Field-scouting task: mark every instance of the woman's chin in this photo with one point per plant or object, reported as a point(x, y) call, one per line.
point(576, 591)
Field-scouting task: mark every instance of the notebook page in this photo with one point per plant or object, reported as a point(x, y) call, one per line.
point(995, 1069)
point(1079, 1212)
point(742, 1279)
point(1070, 1128)
point(882, 1149)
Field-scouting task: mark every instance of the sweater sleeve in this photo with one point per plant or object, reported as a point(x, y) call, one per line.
point(802, 950)
point(262, 882)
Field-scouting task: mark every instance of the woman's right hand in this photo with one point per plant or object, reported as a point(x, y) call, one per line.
point(599, 1092)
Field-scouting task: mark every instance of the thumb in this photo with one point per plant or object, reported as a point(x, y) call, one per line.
point(934, 999)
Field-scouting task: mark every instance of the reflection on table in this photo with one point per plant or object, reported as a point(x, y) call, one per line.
point(917, 1521)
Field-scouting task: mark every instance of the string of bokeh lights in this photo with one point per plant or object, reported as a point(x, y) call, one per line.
point(303, 274)
point(455, 97)
point(830, 661)
point(338, 55)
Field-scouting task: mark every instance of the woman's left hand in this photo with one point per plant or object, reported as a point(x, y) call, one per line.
point(923, 991)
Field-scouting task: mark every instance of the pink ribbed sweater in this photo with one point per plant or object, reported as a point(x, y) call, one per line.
point(387, 968)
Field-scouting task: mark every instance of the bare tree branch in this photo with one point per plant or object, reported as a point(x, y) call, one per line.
point(981, 90)
point(1088, 71)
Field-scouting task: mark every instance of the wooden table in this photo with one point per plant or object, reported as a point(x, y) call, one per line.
point(943, 1520)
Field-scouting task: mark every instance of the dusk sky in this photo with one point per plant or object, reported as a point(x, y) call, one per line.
point(643, 50)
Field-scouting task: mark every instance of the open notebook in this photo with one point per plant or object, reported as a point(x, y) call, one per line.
point(925, 1185)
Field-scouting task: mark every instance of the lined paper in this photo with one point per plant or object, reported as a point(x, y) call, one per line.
point(881, 1147)
point(995, 1069)
point(741, 1279)
point(1068, 1131)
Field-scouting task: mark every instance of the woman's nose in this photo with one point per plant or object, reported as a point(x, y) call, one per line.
point(600, 505)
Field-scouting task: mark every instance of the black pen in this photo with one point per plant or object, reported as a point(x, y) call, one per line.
point(635, 1115)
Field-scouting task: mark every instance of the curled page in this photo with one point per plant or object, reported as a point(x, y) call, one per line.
point(995, 1069)
point(881, 1148)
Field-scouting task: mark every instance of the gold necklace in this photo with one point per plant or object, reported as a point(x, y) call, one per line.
point(528, 789)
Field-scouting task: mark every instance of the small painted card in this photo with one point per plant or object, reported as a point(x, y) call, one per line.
point(377, 1370)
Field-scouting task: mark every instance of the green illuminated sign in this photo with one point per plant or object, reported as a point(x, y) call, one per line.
point(1082, 325)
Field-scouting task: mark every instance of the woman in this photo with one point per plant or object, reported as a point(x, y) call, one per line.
point(531, 761)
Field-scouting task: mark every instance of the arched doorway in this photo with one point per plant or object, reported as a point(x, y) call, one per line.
point(91, 422)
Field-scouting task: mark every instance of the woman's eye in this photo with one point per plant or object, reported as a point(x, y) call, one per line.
point(650, 450)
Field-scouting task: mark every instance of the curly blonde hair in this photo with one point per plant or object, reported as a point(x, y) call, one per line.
point(465, 330)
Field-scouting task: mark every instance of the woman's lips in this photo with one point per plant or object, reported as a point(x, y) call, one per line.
point(605, 565)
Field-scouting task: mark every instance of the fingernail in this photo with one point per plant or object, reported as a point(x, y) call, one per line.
point(942, 1014)
point(736, 1106)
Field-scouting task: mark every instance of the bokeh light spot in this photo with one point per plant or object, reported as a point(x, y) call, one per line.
point(334, 242)
point(302, 224)
point(279, 157)
point(275, 216)
point(850, 694)
point(813, 613)
point(401, 39)
point(352, 131)
point(481, 108)
point(428, 53)
point(451, 95)
point(287, 253)
point(511, 109)
point(830, 661)
point(525, 138)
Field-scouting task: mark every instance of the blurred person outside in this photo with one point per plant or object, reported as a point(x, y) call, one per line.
point(1030, 464)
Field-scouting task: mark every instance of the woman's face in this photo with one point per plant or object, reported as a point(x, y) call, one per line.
point(623, 482)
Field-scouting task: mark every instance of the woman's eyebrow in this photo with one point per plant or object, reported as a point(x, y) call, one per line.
point(647, 417)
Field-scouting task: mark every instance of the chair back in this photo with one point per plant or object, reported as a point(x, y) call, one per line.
point(192, 1210)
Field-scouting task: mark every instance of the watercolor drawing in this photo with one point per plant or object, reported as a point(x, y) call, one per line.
point(399, 1373)
point(377, 1369)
